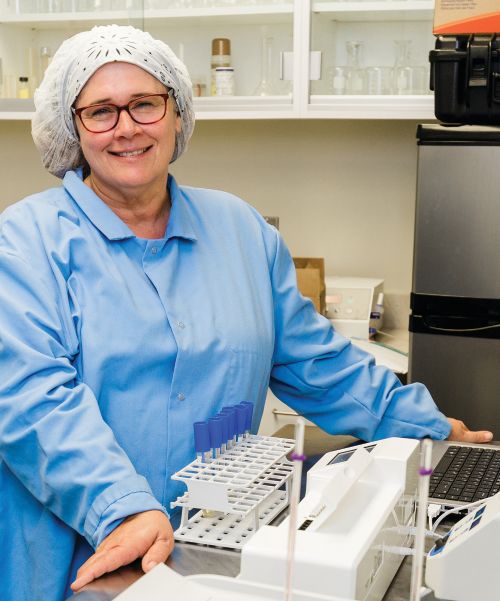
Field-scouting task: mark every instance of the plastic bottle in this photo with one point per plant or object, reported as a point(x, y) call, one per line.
point(224, 81)
point(221, 57)
point(23, 87)
point(377, 316)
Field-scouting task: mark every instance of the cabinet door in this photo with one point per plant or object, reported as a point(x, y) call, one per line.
point(246, 82)
point(261, 34)
point(374, 59)
point(32, 30)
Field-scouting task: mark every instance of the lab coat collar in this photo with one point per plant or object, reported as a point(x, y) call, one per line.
point(179, 223)
point(110, 225)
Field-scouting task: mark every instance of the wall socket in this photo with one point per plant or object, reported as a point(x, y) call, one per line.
point(273, 221)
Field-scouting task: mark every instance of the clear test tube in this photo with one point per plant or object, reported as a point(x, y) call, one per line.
point(215, 430)
point(241, 419)
point(231, 412)
point(249, 415)
point(225, 431)
point(202, 441)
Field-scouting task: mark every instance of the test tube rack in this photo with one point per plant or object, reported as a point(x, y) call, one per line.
point(236, 493)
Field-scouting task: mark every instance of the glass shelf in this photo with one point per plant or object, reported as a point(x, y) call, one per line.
point(419, 107)
point(258, 14)
point(385, 10)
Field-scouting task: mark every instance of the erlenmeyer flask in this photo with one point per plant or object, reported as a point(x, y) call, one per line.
point(355, 75)
point(403, 72)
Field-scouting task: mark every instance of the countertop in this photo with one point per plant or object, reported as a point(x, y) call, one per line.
point(189, 559)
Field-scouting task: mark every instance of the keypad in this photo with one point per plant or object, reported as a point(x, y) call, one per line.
point(466, 474)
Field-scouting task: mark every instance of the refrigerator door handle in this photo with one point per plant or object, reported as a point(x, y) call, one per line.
point(454, 326)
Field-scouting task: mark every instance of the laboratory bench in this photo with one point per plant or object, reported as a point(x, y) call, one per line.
point(188, 559)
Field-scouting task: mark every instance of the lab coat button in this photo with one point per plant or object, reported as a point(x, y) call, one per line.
point(181, 396)
point(181, 325)
point(154, 250)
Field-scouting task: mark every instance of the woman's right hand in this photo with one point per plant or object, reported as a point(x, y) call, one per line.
point(148, 535)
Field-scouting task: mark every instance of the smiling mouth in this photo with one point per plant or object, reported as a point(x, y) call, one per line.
point(130, 153)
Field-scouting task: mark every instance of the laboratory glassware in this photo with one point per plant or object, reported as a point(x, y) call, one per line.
point(403, 71)
point(355, 74)
point(337, 78)
point(266, 86)
point(379, 80)
point(45, 58)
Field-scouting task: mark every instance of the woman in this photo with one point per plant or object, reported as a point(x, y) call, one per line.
point(132, 307)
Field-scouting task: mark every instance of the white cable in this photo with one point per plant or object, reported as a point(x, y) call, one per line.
point(411, 530)
point(433, 510)
point(455, 509)
point(396, 550)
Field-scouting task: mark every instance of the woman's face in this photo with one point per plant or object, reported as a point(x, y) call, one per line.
point(113, 167)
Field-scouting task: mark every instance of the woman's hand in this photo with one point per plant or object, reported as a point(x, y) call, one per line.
point(148, 535)
point(460, 433)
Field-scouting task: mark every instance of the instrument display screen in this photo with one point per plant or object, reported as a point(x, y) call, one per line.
point(346, 455)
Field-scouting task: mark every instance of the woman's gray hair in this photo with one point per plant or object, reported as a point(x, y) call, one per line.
point(76, 60)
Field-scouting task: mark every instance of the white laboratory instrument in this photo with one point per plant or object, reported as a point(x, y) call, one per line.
point(463, 565)
point(163, 583)
point(350, 302)
point(356, 515)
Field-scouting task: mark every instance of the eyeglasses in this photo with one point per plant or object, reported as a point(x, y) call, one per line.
point(99, 118)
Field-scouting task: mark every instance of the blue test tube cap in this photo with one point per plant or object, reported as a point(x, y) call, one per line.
point(249, 409)
point(201, 437)
point(215, 429)
point(231, 412)
point(241, 416)
point(224, 417)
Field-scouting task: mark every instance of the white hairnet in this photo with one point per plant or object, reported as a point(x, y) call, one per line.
point(75, 61)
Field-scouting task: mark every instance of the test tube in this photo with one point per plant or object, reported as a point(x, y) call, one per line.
point(215, 430)
point(249, 408)
point(225, 431)
point(202, 441)
point(231, 412)
point(241, 420)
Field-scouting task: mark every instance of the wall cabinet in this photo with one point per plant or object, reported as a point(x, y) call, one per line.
point(369, 58)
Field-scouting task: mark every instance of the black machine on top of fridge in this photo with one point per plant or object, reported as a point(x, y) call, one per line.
point(455, 300)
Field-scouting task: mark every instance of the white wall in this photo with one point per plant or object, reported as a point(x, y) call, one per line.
point(343, 190)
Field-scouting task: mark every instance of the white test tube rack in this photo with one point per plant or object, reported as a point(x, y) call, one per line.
point(236, 493)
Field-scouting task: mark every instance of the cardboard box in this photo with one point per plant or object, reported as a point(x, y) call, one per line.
point(311, 280)
point(466, 16)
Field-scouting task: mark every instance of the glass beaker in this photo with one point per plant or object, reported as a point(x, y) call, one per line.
point(337, 79)
point(421, 80)
point(379, 80)
point(355, 74)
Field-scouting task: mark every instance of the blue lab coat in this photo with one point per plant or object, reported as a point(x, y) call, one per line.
point(111, 346)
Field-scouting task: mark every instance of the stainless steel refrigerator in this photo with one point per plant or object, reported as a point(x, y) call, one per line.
point(455, 300)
